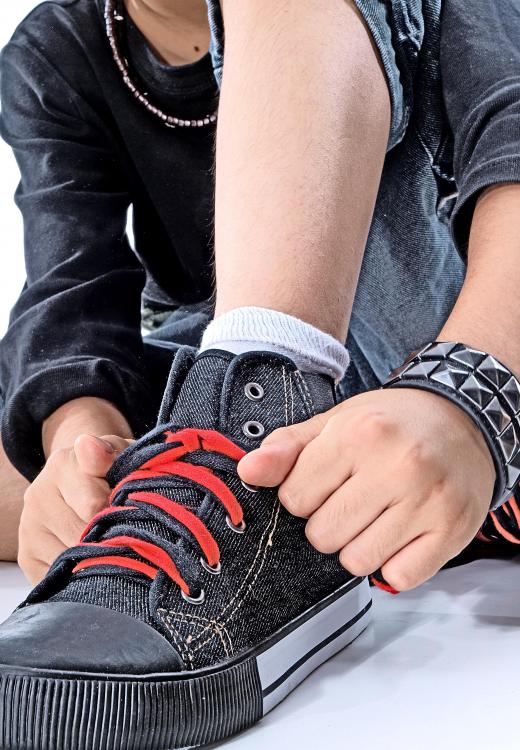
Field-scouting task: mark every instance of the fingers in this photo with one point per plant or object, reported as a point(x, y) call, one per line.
point(64, 481)
point(45, 508)
point(65, 496)
point(384, 538)
point(323, 466)
point(50, 548)
point(83, 485)
point(345, 514)
point(269, 465)
point(85, 496)
point(37, 549)
point(34, 570)
point(95, 455)
point(416, 563)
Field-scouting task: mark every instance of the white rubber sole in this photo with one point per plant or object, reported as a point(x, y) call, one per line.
point(341, 618)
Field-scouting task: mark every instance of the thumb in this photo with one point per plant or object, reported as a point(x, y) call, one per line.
point(269, 465)
point(95, 455)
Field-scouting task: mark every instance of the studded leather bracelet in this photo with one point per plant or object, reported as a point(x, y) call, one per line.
point(484, 388)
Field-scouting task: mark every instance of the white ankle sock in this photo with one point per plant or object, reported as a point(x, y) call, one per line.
point(248, 329)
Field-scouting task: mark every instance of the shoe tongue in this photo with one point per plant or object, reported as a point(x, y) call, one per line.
point(198, 402)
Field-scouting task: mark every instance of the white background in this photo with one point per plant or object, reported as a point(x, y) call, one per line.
point(439, 669)
point(11, 238)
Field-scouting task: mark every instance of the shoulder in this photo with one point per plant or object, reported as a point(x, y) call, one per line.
point(54, 65)
point(55, 19)
point(57, 34)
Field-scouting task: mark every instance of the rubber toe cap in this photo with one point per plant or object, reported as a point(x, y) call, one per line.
point(66, 636)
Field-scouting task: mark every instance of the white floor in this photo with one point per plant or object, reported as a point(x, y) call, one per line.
point(438, 670)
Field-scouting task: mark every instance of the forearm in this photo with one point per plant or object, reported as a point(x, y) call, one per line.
point(300, 147)
point(94, 416)
point(487, 313)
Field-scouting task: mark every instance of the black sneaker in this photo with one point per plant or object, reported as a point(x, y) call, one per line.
point(194, 603)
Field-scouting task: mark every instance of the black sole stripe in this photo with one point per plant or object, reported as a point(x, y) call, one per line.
point(332, 637)
point(308, 615)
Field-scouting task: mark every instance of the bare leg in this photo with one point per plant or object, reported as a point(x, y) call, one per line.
point(303, 129)
point(12, 489)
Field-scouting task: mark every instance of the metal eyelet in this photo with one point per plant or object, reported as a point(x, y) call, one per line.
point(237, 529)
point(253, 429)
point(250, 487)
point(254, 391)
point(194, 599)
point(214, 570)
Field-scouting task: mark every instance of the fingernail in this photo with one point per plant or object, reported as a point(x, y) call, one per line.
point(106, 445)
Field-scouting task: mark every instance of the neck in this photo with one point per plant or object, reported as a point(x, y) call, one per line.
point(177, 30)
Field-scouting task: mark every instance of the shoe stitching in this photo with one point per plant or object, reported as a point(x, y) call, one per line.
point(268, 544)
point(260, 557)
point(191, 620)
point(304, 392)
point(285, 397)
point(220, 630)
point(179, 644)
point(292, 396)
point(200, 622)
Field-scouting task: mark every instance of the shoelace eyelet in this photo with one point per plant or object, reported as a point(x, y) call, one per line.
point(254, 391)
point(237, 529)
point(253, 429)
point(215, 571)
point(194, 599)
point(185, 442)
point(250, 487)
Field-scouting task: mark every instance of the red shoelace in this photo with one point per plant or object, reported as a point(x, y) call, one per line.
point(168, 463)
point(503, 525)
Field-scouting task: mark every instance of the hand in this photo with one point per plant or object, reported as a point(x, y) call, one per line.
point(63, 498)
point(394, 479)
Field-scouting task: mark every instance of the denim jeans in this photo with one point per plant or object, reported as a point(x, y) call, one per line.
point(411, 273)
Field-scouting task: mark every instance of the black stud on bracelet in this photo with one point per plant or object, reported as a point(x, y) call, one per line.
point(484, 388)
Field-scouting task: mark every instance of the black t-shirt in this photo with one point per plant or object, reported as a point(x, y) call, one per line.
point(87, 151)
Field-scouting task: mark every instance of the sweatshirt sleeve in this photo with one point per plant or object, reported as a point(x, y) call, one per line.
point(480, 63)
point(75, 329)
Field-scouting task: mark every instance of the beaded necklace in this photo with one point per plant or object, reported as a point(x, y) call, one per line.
point(114, 18)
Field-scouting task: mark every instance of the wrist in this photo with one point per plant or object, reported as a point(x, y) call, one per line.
point(88, 414)
point(470, 324)
point(484, 388)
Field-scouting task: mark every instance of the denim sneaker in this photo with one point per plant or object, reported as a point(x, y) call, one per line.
point(194, 603)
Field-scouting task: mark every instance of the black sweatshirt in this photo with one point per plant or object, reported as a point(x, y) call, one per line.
point(87, 151)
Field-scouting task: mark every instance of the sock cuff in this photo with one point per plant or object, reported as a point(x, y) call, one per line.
point(311, 349)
